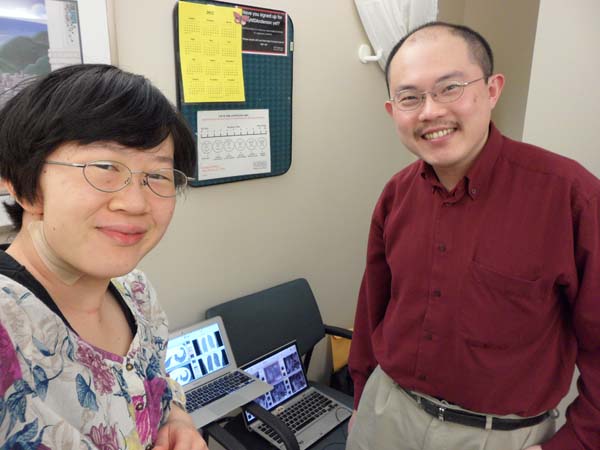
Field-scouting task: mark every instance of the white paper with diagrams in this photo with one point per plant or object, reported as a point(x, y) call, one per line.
point(233, 143)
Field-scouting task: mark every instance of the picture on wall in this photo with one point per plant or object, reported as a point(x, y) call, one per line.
point(36, 36)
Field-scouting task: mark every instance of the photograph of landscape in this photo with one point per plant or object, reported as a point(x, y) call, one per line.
point(36, 36)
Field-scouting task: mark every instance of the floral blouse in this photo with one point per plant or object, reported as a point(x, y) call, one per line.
point(59, 392)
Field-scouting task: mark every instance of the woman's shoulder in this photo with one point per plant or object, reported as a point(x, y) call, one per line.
point(11, 290)
point(135, 288)
point(139, 294)
point(20, 309)
point(135, 279)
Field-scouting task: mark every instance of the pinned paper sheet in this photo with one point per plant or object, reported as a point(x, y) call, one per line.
point(210, 46)
point(233, 143)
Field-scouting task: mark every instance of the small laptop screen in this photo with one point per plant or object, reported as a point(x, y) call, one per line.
point(195, 354)
point(282, 369)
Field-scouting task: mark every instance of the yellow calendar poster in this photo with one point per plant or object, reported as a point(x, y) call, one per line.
point(210, 46)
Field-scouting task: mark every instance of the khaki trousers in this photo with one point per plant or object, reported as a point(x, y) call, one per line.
point(388, 419)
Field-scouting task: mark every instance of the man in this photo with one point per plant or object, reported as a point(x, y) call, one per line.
point(482, 285)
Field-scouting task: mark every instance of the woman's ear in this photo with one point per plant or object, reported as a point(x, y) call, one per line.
point(34, 207)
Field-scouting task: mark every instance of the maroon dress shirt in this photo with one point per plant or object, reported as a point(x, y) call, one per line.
point(487, 296)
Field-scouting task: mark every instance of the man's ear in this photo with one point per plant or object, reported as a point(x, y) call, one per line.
point(34, 207)
point(495, 85)
point(389, 108)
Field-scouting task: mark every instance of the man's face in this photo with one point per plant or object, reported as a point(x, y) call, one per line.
point(449, 136)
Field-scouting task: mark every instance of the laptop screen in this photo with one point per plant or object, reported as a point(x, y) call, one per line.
point(196, 353)
point(281, 368)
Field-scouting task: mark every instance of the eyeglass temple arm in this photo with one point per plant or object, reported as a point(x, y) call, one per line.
point(59, 163)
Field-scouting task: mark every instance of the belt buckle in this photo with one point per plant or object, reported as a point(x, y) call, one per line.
point(441, 410)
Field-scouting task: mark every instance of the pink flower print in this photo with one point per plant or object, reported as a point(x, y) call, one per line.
point(104, 437)
point(137, 287)
point(155, 390)
point(137, 293)
point(142, 418)
point(148, 418)
point(103, 378)
point(10, 371)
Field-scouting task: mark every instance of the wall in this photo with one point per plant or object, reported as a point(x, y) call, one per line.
point(564, 101)
point(513, 49)
point(510, 27)
point(234, 239)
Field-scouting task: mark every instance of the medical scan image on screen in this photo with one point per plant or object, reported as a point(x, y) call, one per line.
point(196, 354)
point(284, 371)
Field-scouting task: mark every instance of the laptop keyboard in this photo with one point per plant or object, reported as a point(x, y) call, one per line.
point(302, 413)
point(216, 389)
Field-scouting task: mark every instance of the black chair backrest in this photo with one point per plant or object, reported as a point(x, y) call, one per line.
point(261, 322)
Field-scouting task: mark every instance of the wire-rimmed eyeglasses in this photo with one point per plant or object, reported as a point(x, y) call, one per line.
point(113, 176)
point(443, 92)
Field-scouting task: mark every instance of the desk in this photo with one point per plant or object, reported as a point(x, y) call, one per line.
point(336, 440)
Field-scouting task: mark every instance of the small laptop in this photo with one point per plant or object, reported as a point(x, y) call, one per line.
point(309, 413)
point(200, 358)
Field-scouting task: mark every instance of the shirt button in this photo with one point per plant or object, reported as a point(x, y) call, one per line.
point(429, 337)
point(139, 406)
point(129, 366)
point(422, 377)
point(436, 293)
point(442, 248)
point(474, 191)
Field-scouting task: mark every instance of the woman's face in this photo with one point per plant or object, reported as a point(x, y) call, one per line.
point(102, 234)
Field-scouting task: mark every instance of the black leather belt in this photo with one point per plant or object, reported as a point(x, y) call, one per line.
point(448, 414)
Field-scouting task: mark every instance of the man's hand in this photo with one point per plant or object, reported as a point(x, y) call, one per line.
point(179, 433)
point(535, 447)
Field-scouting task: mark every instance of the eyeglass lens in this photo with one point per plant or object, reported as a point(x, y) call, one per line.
point(445, 92)
point(110, 176)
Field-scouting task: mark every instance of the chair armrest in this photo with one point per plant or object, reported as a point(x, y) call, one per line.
point(338, 331)
point(222, 436)
point(288, 438)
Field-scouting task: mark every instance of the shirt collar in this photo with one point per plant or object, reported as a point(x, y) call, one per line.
point(479, 175)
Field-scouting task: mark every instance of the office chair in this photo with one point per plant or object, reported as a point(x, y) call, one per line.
point(265, 320)
point(260, 322)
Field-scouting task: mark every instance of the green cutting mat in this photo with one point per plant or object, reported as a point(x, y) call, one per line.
point(267, 85)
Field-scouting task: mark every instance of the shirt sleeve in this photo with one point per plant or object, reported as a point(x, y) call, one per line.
point(10, 372)
point(24, 422)
point(373, 298)
point(582, 428)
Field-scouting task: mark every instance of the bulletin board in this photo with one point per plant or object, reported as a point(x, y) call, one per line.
point(236, 94)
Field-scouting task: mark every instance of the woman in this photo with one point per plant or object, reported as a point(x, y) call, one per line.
point(94, 158)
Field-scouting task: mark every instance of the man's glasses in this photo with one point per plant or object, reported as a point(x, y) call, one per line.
point(112, 176)
point(443, 92)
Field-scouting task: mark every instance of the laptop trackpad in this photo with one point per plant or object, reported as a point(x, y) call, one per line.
point(315, 431)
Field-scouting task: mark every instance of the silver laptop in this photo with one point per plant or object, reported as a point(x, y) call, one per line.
point(199, 357)
point(309, 413)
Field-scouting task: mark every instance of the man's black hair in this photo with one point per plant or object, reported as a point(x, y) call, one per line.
point(84, 103)
point(479, 48)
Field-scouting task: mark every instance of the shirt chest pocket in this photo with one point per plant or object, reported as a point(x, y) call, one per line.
point(498, 310)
